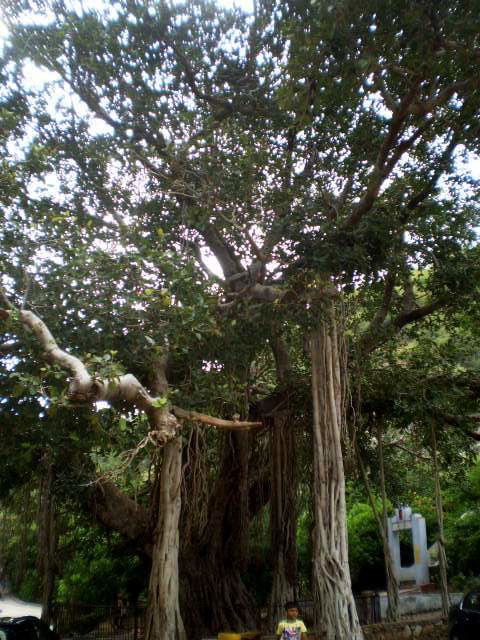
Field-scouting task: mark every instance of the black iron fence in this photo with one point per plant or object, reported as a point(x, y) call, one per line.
point(368, 610)
point(87, 622)
point(79, 621)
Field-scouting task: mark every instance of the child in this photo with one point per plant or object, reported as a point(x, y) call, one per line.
point(292, 628)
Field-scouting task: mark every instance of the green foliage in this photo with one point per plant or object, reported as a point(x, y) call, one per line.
point(305, 525)
point(464, 543)
point(462, 524)
point(365, 552)
point(258, 574)
point(18, 546)
point(97, 568)
point(100, 572)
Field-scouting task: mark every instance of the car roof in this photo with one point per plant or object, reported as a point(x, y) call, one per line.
point(8, 620)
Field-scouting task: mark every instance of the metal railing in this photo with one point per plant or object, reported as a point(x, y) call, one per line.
point(92, 622)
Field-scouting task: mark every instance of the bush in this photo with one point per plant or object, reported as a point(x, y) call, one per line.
point(462, 530)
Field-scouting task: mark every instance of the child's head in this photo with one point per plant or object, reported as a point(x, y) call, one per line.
point(292, 610)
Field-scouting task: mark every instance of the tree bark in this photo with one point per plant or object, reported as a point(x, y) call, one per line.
point(164, 621)
point(283, 512)
point(283, 500)
point(116, 511)
point(334, 603)
point(214, 597)
point(440, 538)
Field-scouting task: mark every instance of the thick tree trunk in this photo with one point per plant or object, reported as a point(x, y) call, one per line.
point(47, 539)
point(164, 621)
point(214, 597)
point(334, 603)
point(442, 558)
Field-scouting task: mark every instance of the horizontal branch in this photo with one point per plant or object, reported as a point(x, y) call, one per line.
point(117, 512)
point(409, 451)
point(418, 313)
point(194, 416)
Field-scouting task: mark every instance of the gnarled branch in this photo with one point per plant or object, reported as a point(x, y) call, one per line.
point(84, 389)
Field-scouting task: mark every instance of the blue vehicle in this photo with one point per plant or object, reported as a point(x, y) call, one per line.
point(25, 628)
point(464, 618)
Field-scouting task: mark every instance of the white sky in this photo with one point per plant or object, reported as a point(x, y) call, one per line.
point(247, 5)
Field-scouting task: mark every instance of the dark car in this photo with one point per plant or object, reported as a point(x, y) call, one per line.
point(25, 628)
point(464, 618)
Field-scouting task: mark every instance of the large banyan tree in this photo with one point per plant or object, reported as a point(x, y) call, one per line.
point(189, 192)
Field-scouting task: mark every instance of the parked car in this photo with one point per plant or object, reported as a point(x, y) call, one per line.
point(464, 618)
point(25, 628)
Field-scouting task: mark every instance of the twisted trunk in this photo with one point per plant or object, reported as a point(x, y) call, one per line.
point(334, 603)
point(213, 597)
point(164, 621)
